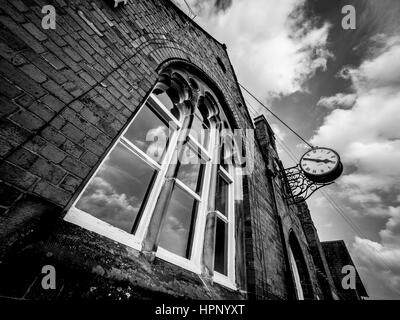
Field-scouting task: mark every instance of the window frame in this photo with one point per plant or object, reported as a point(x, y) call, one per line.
point(207, 154)
point(228, 280)
point(193, 263)
point(91, 223)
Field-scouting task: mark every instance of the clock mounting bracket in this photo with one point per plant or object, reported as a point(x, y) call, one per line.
point(298, 187)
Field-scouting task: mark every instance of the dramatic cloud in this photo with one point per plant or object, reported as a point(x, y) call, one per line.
point(338, 101)
point(273, 47)
point(367, 136)
point(381, 261)
point(101, 200)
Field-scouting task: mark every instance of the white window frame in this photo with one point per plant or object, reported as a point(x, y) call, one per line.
point(228, 280)
point(193, 263)
point(91, 223)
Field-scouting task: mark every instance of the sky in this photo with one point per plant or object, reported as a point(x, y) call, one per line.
point(339, 89)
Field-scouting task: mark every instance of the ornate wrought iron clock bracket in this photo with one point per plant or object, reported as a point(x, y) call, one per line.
point(300, 188)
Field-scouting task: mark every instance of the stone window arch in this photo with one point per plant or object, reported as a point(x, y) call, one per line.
point(156, 188)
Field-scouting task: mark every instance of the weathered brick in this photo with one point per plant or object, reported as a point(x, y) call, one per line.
point(58, 91)
point(23, 158)
point(7, 106)
point(7, 89)
point(53, 153)
point(76, 167)
point(44, 66)
point(34, 73)
point(85, 76)
point(93, 146)
point(33, 30)
point(51, 192)
point(53, 61)
point(27, 120)
point(12, 133)
point(35, 144)
point(22, 34)
point(62, 55)
point(25, 100)
point(89, 158)
point(16, 176)
point(73, 54)
point(58, 122)
point(42, 111)
point(53, 135)
point(72, 148)
point(5, 147)
point(73, 133)
point(19, 4)
point(46, 170)
point(52, 102)
point(70, 183)
point(21, 79)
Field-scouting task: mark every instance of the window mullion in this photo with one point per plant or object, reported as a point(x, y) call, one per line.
point(140, 153)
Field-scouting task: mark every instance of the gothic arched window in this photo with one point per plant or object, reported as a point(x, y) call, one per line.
point(162, 178)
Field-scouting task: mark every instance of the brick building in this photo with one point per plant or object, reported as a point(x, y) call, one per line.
point(93, 116)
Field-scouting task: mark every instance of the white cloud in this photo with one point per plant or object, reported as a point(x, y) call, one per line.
point(367, 136)
point(273, 48)
point(279, 133)
point(102, 200)
point(340, 100)
point(381, 262)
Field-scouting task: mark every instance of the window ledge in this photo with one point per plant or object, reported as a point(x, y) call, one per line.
point(177, 260)
point(224, 281)
point(87, 221)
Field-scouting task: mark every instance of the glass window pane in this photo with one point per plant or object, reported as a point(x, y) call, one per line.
point(116, 193)
point(167, 102)
point(221, 197)
point(177, 231)
point(190, 169)
point(150, 133)
point(221, 247)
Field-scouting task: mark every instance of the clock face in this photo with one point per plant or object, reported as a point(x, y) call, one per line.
point(319, 162)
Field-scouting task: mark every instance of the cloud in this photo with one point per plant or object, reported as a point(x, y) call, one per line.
point(340, 100)
point(367, 136)
point(279, 133)
point(101, 200)
point(381, 262)
point(273, 47)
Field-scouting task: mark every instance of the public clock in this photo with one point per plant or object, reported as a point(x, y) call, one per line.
point(321, 165)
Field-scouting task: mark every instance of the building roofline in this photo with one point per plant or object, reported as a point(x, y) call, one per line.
point(181, 12)
point(224, 47)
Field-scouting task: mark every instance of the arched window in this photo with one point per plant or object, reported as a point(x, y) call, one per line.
point(301, 278)
point(152, 189)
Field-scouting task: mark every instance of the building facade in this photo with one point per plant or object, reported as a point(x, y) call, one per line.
point(131, 166)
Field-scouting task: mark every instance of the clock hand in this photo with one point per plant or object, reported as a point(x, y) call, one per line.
point(318, 160)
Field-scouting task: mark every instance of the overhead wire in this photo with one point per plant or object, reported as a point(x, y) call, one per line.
point(276, 116)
